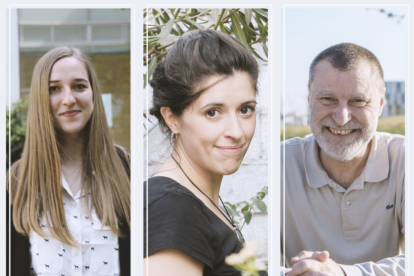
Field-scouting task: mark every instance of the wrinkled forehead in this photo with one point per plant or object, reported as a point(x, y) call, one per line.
point(362, 79)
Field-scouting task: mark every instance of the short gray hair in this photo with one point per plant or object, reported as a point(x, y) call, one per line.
point(346, 57)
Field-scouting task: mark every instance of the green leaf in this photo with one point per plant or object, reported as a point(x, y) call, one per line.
point(260, 205)
point(180, 31)
point(245, 208)
point(262, 29)
point(248, 15)
point(166, 30)
point(246, 26)
point(235, 213)
point(152, 65)
point(174, 32)
point(262, 12)
point(237, 29)
point(261, 195)
point(230, 211)
point(222, 28)
point(152, 18)
point(170, 38)
point(265, 189)
point(198, 15)
point(166, 16)
point(155, 12)
point(247, 216)
point(145, 80)
point(200, 27)
point(249, 37)
point(215, 14)
point(257, 55)
point(231, 205)
point(226, 11)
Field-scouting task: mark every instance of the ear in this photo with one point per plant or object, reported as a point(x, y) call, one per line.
point(382, 102)
point(170, 119)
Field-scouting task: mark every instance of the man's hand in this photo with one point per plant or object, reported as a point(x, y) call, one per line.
point(315, 264)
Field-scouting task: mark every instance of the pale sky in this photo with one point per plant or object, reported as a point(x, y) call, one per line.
point(308, 31)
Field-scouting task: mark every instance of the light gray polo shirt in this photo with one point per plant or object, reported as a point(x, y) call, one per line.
point(361, 227)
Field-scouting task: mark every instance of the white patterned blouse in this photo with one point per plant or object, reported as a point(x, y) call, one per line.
point(97, 253)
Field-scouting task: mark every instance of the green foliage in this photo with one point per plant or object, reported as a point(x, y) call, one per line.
point(163, 27)
point(246, 208)
point(17, 131)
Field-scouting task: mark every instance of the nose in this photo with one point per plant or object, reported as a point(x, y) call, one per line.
point(342, 114)
point(234, 129)
point(68, 98)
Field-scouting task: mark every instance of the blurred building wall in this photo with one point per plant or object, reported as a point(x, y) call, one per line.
point(103, 34)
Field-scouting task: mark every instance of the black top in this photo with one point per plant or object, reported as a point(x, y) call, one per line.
point(178, 219)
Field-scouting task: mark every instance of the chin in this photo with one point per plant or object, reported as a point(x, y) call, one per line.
point(70, 131)
point(230, 168)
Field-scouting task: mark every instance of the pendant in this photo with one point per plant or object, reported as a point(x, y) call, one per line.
point(238, 233)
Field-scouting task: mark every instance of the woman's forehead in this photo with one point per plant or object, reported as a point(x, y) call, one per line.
point(235, 89)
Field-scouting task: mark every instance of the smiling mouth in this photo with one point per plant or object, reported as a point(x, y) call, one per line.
point(70, 113)
point(231, 149)
point(340, 131)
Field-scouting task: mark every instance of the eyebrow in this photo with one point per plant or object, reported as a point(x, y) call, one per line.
point(79, 79)
point(359, 96)
point(324, 93)
point(221, 104)
point(353, 96)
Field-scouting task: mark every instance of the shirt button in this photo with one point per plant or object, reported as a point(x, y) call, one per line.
point(348, 204)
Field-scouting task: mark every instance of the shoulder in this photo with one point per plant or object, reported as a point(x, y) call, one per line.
point(176, 218)
point(297, 142)
point(123, 153)
point(164, 191)
point(392, 139)
point(295, 148)
point(395, 144)
point(125, 157)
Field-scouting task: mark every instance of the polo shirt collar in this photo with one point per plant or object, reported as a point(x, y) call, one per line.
point(376, 168)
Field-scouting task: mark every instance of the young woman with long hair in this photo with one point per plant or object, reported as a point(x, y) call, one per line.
point(70, 191)
point(204, 97)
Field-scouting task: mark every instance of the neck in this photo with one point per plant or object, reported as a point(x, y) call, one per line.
point(71, 149)
point(206, 181)
point(345, 173)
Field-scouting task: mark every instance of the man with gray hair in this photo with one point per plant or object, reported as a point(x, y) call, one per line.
point(344, 184)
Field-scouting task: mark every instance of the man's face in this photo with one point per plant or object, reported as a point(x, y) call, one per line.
point(345, 107)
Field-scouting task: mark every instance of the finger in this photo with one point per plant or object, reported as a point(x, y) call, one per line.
point(323, 256)
point(315, 255)
point(305, 265)
point(302, 255)
point(314, 273)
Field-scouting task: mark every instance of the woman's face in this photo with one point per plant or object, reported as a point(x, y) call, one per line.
point(216, 129)
point(71, 97)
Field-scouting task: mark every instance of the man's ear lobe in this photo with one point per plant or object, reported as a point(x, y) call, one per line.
point(381, 106)
point(170, 119)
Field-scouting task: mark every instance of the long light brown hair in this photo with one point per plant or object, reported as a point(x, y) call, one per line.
point(35, 180)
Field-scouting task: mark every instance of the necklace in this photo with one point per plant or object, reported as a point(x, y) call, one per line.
point(227, 217)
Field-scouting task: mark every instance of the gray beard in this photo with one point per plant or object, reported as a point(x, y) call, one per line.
point(343, 151)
